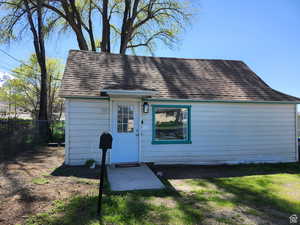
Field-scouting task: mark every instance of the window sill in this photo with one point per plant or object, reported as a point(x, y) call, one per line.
point(171, 142)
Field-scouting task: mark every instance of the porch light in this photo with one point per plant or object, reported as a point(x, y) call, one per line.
point(145, 107)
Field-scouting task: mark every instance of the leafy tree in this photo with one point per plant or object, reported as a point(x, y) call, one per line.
point(9, 93)
point(28, 15)
point(122, 24)
point(134, 23)
point(24, 89)
point(146, 21)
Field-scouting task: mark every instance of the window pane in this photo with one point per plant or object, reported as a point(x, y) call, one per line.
point(125, 119)
point(120, 128)
point(119, 109)
point(125, 125)
point(171, 124)
point(119, 118)
point(125, 122)
point(130, 126)
point(131, 114)
point(125, 109)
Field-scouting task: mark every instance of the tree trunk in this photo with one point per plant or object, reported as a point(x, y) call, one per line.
point(81, 41)
point(124, 28)
point(105, 45)
point(127, 24)
point(38, 41)
point(43, 115)
point(91, 32)
point(74, 19)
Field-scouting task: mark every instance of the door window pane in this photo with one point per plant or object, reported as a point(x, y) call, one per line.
point(125, 123)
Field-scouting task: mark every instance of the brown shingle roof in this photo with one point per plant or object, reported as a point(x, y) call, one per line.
point(87, 73)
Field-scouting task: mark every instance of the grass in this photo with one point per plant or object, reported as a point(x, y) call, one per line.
point(129, 208)
point(40, 180)
point(281, 191)
point(271, 197)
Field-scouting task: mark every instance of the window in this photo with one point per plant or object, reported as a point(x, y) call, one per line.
point(125, 119)
point(171, 124)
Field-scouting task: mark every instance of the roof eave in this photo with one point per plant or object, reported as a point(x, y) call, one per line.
point(84, 97)
point(186, 100)
point(219, 101)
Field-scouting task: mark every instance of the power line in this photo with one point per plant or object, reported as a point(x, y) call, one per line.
point(8, 62)
point(20, 61)
point(5, 67)
point(14, 58)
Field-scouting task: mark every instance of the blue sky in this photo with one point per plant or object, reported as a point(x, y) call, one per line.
point(264, 34)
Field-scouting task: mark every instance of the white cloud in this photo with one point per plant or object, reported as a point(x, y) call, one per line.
point(4, 76)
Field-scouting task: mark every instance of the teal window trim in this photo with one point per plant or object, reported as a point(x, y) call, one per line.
point(157, 142)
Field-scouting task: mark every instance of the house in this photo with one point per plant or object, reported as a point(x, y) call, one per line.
point(3, 107)
point(174, 111)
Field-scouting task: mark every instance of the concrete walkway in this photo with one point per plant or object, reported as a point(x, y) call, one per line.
point(132, 178)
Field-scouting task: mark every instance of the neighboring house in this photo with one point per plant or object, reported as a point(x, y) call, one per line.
point(3, 107)
point(200, 111)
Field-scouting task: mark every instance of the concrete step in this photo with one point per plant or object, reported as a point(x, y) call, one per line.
point(133, 178)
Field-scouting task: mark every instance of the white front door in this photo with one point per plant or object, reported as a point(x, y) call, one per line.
point(125, 131)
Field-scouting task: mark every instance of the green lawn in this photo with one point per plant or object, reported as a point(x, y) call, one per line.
point(255, 199)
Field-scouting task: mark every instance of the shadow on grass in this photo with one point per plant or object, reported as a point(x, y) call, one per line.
point(261, 194)
point(136, 207)
point(131, 207)
point(126, 208)
point(196, 171)
point(77, 171)
point(258, 193)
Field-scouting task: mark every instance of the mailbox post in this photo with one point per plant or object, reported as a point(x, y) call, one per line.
point(105, 143)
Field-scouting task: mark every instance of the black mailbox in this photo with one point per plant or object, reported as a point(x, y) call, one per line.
point(105, 141)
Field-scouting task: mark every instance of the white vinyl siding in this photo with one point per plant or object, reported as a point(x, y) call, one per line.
point(85, 121)
point(228, 133)
point(220, 133)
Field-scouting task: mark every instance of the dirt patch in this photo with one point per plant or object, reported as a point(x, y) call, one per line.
point(167, 202)
point(30, 183)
